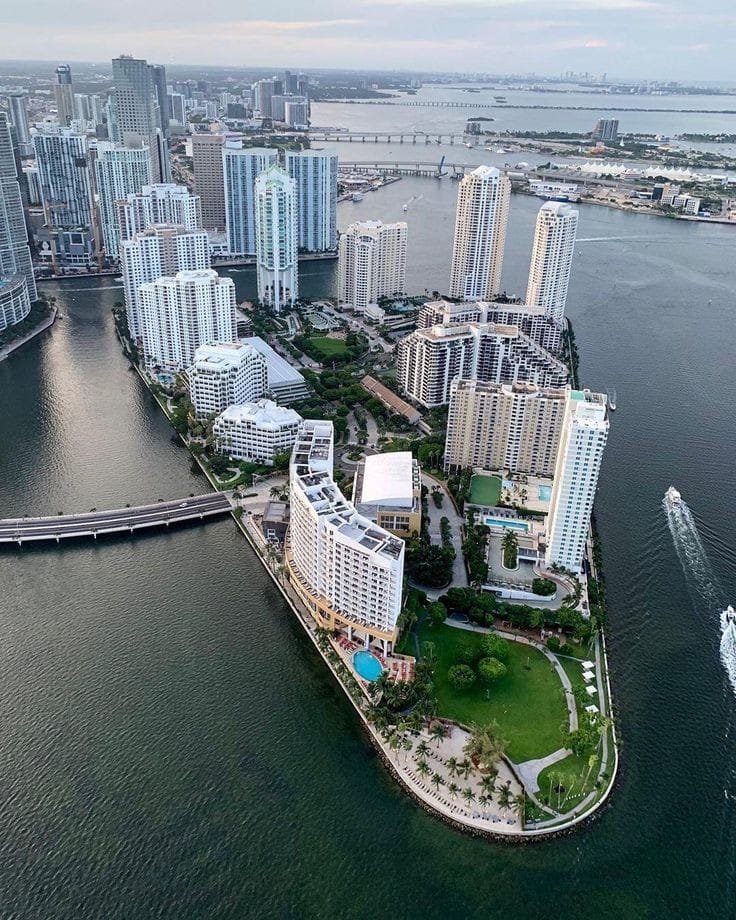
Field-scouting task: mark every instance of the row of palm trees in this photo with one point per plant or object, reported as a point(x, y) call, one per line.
point(506, 799)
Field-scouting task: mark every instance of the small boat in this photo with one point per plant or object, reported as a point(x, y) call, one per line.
point(672, 498)
point(357, 196)
point(405, 207)
point(612, 402)
point(469, 145)
point(728, 619)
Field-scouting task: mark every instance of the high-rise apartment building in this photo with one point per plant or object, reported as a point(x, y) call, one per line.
point(265, 90)
point(347, 570)
point(480, 234)
point(120, 171)
point(583, 439)
point(15, 254)
point(240, 168)
point(160, 250)
point(64, 94)
point(178, 108)
point(428, 360)
point(296, 111)
point(163, 203)
point(63, 171)
point(276, 238)
point(606, 130)
point(158, 78)
point(226, 374)
point(372, 262)
point(137, 111)
point(15, 303)
point(551, 264)
point(256, 431)
point(182, 312)
point(18, 111)
point(500, 426)
point(315, 174)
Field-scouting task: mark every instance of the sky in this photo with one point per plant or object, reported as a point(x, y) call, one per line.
point(655, 39)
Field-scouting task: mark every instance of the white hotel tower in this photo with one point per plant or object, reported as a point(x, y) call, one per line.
point(554, 244)
point(161, 203)
point(480, 234)
point(119, 171)
point(347, 570)
point(181, 313)
point(241, 166)
point(583, 438)
point(276, 238)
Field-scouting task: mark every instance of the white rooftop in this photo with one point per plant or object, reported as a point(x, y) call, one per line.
point(221, 355)
point(279, 370)
point(387, 480)
point(263, 414)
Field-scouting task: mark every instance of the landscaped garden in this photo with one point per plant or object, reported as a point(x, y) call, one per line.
point(526, 701)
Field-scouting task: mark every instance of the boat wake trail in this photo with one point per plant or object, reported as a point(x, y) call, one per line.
point(700, 578)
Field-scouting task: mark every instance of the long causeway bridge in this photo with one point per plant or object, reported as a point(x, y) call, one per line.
point(121, 520)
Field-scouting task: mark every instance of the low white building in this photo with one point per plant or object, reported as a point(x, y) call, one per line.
point(285, 383)
point(225, 374)
point(256, 431)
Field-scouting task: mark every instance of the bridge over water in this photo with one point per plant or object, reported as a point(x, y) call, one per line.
point(121, 520)
point(384, 137)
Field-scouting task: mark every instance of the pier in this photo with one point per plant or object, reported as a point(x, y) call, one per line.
point(121, 520)
point(384, 137)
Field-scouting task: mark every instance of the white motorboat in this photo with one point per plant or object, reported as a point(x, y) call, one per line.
point(672, 498)
point(728, 619)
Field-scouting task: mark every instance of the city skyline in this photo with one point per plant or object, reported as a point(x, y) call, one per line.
point(517, 35)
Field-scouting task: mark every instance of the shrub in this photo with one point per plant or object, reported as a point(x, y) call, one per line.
point(491, 670)
point(437, 613)
point(543, 586)
point(461, 676)
point(495, 647)
point(468, 653)
point(554, 644)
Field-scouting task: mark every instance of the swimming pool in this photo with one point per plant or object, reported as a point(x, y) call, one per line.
point(544, 493)
point(509, 525)
point(367, 665)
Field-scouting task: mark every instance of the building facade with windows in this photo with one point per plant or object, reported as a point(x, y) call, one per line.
point(225, 374)
point(15, 253)
point(241, 166)
point(551, 263)
point(162, 203)
point(120, 171)
point(183, 312)
point(277, 239)
point(257, 432)
point(346, 569)
point(372, 263)
point(315, 175)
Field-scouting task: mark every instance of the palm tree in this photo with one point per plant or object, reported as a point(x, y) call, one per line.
point(484, 800)
point(488, 784)
point(465, 767)
point(518, 803)
point(394, 742)
point(505, 796)
point(437, 732)
point(468, 795)
point(452, 766)
point(422, 749)
point(437, 781)
point(275, 491)
point(423, 767)
point(485, 745)
point(406, 745)
point(453, 789)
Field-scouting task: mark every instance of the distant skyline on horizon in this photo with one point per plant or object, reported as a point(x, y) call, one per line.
point(664, 39)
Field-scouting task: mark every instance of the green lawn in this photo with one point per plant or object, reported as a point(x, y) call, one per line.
point(328, 348)
point(485, 490)
point(566, 778)
point(527, 703)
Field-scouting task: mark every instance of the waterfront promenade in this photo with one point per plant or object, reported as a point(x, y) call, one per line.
point(45, 324)
point(123, 520)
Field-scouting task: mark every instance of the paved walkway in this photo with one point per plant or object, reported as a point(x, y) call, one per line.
point(529, 770)
point(435, 514)
point(45, 324)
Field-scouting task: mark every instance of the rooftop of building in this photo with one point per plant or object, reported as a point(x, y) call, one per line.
point(388, 479)
point(520, 388)
point(218, 355)
point(264, 413)
point(279, 370)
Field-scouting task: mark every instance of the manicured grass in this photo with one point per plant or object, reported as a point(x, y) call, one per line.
point(568, 774)
point(527, 703)
point(485, 490)
point(329, 348)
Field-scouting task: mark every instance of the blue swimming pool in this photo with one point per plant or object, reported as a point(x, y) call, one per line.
point(509, 525)
point(367, 665)
point(544, 493)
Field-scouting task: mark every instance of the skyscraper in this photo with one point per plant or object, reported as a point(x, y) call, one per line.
point(182, 312)
point(63, 171)
point(18, 110)
point(137, 111)
point(372, 262)
point(276, 238)
point(241, 167)
point(208, 177)
point(315, 174)
point(120, 171)
point(480, 234)
point(164, 203)
point(64, 94)
point(554, 244)
point(15, 255)
point(160, 250)
point(584, 436)
point(158, 78)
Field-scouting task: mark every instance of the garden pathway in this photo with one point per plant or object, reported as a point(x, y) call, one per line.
point(435, 515)
point(529, 770)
